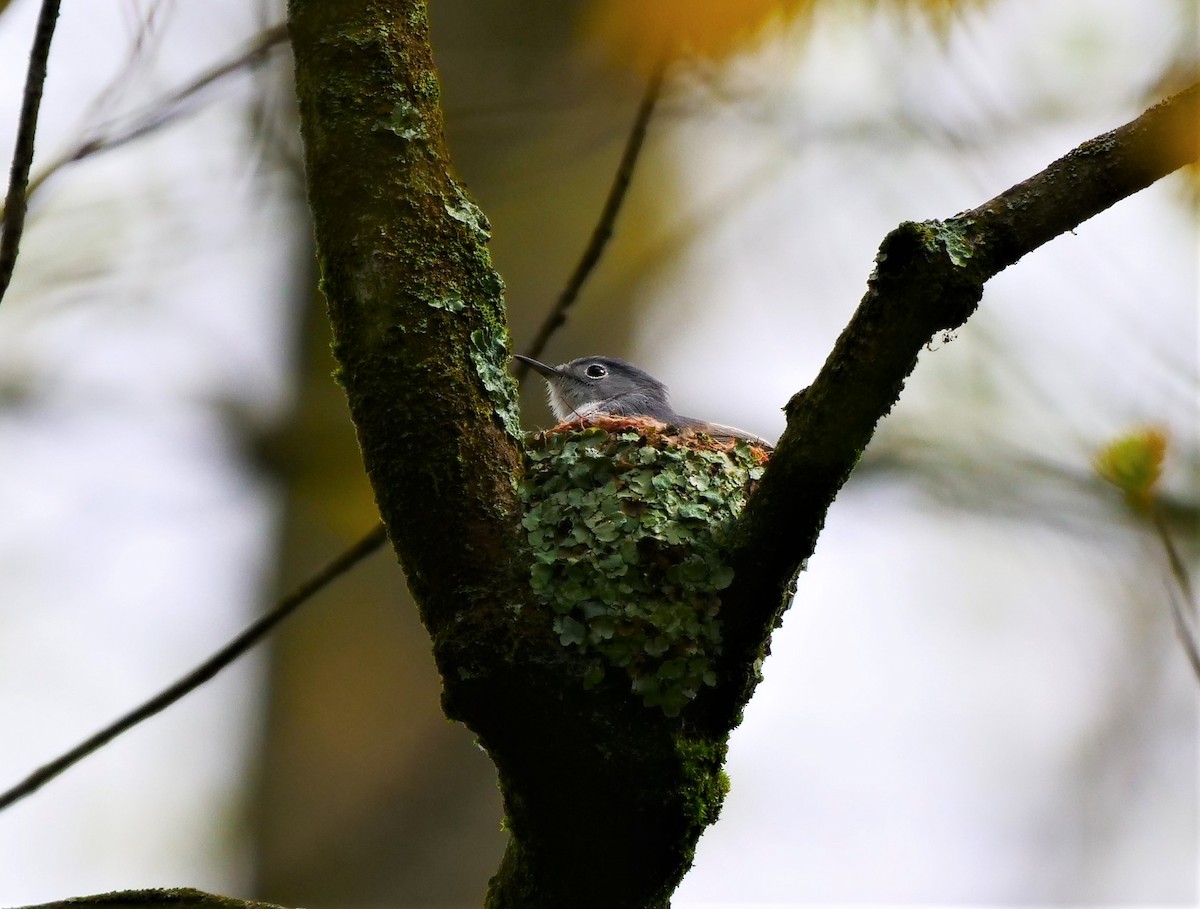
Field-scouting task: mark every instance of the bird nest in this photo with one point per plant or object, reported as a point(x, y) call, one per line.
point(630, 523)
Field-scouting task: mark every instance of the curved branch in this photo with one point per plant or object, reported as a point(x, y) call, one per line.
point(928, 278)
point(1082, 183)
point(174, 898)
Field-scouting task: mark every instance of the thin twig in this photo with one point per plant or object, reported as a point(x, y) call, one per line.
point(146, 41)
point(202, 673)
point(602, 233)
point(13, 224)
point(1181, 595)
point(164, 110)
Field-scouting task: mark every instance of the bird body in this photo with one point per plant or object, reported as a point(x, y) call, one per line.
point(593, 386)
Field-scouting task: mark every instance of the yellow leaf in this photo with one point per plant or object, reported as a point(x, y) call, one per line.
point(1133, 463)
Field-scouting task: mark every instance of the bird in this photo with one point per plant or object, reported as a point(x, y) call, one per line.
point(606, 386)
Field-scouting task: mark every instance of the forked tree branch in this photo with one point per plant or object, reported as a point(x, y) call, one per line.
point(419, 337)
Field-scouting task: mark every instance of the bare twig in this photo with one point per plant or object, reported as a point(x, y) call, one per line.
point(1181, 596)
point(15, 204)
point(603, 230)
point(202, 673)
point(145, 42)
point(163, 110)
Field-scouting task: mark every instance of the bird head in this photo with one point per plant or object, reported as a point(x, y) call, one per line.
point(593, 385)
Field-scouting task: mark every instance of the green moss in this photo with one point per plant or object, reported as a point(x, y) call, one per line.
point(704, 783)
point(629, 533)
point(427, 87)
point(418, 19)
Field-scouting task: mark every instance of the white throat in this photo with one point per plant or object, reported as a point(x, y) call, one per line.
point(563, 409)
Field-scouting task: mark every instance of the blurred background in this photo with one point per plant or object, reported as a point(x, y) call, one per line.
point(977, 697)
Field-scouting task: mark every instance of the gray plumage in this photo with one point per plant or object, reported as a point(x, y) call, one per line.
point(605, 385)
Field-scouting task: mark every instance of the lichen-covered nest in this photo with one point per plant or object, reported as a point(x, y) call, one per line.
point(629, 522)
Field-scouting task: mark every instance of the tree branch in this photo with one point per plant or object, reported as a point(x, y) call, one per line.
point(591, 779)
point(174, 898)
point(416, 308)
point(602, 232)
point(928, 278)
point(15, 203)
point(162, 111)
point(250, 636)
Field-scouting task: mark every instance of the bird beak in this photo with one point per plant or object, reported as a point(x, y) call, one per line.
point(537, 366)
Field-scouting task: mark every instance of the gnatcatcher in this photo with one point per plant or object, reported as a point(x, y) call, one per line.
point(594, 386)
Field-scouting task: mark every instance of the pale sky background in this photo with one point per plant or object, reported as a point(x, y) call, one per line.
point(977, 697)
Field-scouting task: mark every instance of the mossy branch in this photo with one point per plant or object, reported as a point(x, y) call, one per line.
point(928, 279)
point(416, 308)
point(604, 799)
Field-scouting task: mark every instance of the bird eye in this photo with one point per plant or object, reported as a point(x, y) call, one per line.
point(596, 371)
